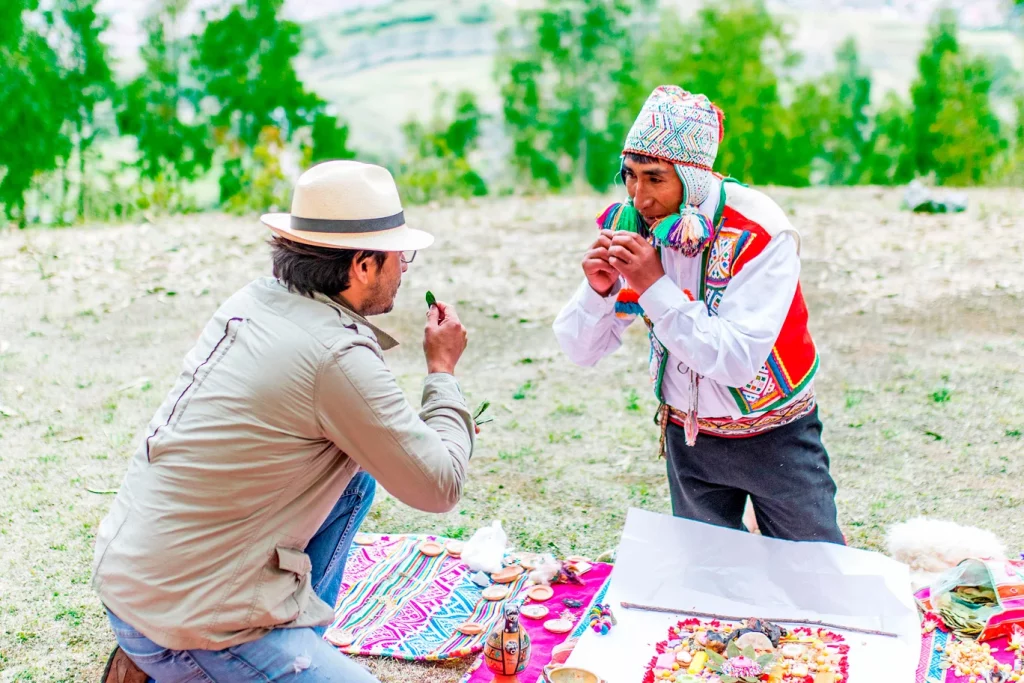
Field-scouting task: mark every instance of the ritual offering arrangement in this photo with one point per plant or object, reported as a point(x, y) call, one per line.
point(753, 651)
point(507, 650)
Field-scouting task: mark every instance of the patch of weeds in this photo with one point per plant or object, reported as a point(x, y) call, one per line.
point(564, 437)
point(59, 547)
point(525, 361)
point(1013, 433)
point(641, 493)
point(50, 457)
point(84, 384)
point(568, 410)
point(100, 456)
point(521, 392)
point(632, 401)
point(515, 456)
point(146, 386)
point(934, 435)
point(88, 313)
point(943, 395)
point(25, 636)
point(853, 399)
point(73, 616)
point(456, 532)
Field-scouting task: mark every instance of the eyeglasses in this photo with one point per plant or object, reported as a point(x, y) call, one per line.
point(407, 256)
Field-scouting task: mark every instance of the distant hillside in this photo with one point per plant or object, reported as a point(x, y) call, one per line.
point(384, 64)
point(383, 61)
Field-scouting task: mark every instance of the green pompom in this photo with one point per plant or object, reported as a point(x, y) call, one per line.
point(620, 217)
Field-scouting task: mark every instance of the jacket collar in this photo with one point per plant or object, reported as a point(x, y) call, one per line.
point(386, 341)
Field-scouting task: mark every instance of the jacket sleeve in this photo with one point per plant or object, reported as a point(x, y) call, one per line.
point(420, 459)
point(587, 329)
point(731, 347)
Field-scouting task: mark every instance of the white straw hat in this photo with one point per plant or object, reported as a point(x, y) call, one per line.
point(348, 205)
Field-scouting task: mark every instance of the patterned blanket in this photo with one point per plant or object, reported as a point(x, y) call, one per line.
point(397, 602)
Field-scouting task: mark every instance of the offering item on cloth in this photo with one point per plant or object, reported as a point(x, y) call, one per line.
point(534, 611)
point(698, 651)
point(971, 658)
point(978, 599)
point(431, 549)
point(454, 548)
point(507, 575)
point(507, 650)
point(601, 618)
point(540, 593)
point(495, 593)
point(338, 638)
point(470, 628)
point(558, 625)
point(571, 674)
point(364, 539)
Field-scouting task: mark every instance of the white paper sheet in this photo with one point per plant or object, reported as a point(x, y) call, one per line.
point(668, 562)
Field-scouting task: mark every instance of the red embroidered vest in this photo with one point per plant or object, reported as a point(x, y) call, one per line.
point(748, 220)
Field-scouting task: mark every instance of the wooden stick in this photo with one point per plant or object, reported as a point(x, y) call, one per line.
point(802, 622)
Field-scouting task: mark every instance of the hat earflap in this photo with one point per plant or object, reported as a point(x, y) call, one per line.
point(689, 231)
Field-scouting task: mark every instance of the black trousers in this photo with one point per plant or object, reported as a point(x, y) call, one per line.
point(784, 471)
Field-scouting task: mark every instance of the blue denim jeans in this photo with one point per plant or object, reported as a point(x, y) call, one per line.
point(284, 654)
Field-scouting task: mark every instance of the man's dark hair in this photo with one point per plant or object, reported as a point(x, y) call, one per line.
point(307, 269)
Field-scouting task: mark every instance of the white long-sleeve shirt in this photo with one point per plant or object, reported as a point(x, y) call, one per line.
point(727, 349)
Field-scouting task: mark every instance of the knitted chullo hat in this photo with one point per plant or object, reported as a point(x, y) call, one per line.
point(684, 129)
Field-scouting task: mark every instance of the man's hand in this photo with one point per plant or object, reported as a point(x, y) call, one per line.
point(636, 260)
point(600, 274)
point(444, 341)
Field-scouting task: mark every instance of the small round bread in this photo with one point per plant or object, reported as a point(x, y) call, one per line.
point(495, 593)
point(470, 628)
point(558, 625)
point(540, 593)
point(454, 548)
point(339, 638)
point(431, 549)
point(364, 539)
point(507, 575)
point(534, 611)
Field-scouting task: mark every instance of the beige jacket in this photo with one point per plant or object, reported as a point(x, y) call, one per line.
point(279, 404)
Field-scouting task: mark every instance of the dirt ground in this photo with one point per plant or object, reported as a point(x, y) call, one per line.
point(918, 318)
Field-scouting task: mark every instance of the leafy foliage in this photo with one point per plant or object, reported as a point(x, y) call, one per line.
point(437, 160)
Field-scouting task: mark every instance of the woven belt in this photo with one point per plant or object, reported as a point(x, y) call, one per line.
point(742, 427)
